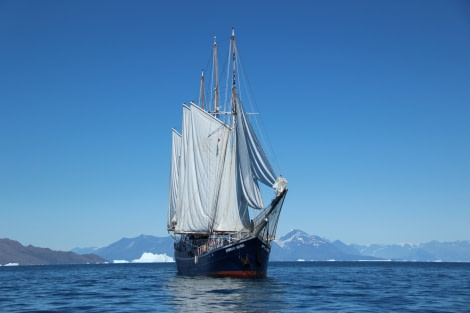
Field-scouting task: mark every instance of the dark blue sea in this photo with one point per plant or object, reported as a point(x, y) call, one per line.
point(289, 287)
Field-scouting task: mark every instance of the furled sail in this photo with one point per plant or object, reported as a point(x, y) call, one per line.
point(174, 175)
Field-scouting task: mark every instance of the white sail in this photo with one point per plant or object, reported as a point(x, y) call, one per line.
point(205, 140)
point(174, 175)
point(217, 168)
point(231, 210)
point(186, 123)
point(215, 179)
point(253, 165)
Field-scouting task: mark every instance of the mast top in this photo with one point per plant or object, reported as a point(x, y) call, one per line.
point(234, 70)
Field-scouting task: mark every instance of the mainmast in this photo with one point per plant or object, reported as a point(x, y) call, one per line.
point(216, 73)
point(234, 69)
point(202, 90)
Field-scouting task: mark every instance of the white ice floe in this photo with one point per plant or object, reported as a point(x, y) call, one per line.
point(148, 257)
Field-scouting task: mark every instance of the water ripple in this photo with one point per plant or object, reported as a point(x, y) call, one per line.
point(289, 287)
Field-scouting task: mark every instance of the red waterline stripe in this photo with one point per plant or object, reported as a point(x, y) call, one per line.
point(238, 274)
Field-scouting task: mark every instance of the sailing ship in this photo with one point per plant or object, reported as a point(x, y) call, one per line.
point(217, 165)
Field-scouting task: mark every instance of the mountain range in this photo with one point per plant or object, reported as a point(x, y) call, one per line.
point(14, 253)
point(296, 245)
point(132, 249)
point(299, 245)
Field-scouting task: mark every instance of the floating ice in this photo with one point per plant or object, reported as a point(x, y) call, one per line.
point(148, 257)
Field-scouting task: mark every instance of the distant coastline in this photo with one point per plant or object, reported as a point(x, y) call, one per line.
point(13, 253)
point(295, 246)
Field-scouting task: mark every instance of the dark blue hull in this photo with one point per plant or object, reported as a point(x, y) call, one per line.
point(245, 258)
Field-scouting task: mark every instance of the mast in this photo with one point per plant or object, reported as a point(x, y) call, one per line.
point(202, 90)
point(234, 69)
point(216, 73)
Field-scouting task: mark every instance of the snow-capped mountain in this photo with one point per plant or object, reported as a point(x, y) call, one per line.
point(298, 245)
point(456, 251)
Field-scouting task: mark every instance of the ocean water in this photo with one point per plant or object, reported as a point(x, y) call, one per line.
point(289, 287)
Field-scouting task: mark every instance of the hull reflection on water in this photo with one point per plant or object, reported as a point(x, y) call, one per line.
point(223, 294)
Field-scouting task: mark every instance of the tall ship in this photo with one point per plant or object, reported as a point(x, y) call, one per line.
point(220, 214)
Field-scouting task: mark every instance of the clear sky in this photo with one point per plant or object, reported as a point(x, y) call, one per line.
point(366, 103)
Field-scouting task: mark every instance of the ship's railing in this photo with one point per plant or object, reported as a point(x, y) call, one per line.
point(264, 226)
point(206, 245)
point(203, 246)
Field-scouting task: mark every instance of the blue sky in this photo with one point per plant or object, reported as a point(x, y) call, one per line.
point(366, 103)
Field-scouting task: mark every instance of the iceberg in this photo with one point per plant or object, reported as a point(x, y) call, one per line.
point(148, 257)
